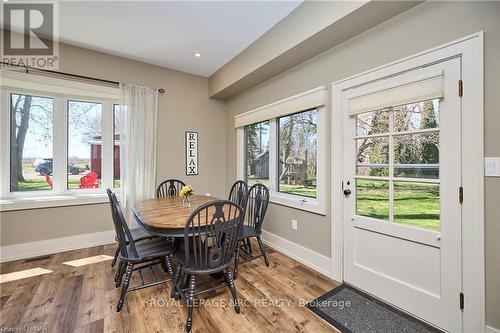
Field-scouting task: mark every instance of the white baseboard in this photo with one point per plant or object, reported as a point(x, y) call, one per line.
point(490, 329)
point(311, 259)
point(49, 246)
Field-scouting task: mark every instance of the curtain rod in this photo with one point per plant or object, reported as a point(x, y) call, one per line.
point(27, 68)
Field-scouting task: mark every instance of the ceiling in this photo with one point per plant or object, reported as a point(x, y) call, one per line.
point(168, 33)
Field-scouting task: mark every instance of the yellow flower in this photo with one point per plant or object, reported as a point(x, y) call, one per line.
point(186, 191)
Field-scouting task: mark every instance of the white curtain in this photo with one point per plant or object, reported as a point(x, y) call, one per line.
point(138, 110)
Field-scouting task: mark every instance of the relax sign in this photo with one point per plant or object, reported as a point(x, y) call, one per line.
point(191, 153)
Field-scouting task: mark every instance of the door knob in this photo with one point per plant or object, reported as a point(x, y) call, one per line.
point(347, 191)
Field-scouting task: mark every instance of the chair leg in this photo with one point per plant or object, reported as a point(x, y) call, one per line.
point(126, 282)
point(115, 257)
point(236, 259)
point(263, 250)
point(190, 302)
point(168, 266)
point(119, 273)
point(232, 287)
point(175, 280)
point(118, 270)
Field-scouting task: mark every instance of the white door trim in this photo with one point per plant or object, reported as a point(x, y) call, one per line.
point(470, 49)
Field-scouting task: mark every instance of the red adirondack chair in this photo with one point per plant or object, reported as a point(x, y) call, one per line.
point(48, 180)
point(89, 181)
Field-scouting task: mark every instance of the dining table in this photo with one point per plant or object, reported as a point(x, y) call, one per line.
point(167, 216)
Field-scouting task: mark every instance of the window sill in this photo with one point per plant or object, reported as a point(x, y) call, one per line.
point(312, 205)
point(34, 202)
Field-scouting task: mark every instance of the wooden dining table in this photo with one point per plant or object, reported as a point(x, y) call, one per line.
point(167, 217)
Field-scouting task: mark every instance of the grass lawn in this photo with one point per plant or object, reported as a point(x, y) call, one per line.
point(36, 182)
point(291, 189)
point(415, 204)
point(33, 185)
point(298, 190)
point(41, 184)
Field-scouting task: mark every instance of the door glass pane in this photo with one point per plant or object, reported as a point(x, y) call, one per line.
point(297, 153)
point(417, 116)
point(84, 144)
point(375, 122)
point(372, 198)
point(116, 145)
point(372, 156)
point(417, 205)
point(416, 155)
point(413, 155)
point(257, 153)
point(31, 137)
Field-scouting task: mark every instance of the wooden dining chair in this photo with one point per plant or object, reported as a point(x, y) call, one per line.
point(256, 207)
point(136, 233)
point(169, 188)
point(239, 193)
point(210, 238)
point(138, 255)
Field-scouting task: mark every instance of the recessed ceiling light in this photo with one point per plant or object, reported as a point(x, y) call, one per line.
point(197, 55)
point(5, 0)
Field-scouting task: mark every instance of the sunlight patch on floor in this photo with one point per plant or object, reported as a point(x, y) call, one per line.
point(23, 274)
point(88, 261)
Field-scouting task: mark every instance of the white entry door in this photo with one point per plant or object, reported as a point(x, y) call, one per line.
point(402, 181)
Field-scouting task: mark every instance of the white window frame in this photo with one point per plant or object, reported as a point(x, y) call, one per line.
point(60, 195)
point(315, 205)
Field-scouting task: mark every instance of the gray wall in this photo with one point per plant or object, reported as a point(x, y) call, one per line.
point(184, 106)
point(425, 26)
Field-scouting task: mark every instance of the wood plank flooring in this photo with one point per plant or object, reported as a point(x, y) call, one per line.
point(83, 299)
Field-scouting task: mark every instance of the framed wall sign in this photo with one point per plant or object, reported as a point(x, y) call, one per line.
point(191, 153)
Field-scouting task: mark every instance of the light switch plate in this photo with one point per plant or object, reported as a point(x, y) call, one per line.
point(492, 166)
point(294, 225)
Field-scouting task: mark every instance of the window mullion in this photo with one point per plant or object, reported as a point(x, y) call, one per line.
point(273, 155)
point(5, 137)
point(391, 165)
point(321, 157)
point(241, 148)
point(60, 145)
point(107, 145)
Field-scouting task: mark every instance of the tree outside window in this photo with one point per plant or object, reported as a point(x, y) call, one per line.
point(257, 153)
point(297, 153)
point(31, 142)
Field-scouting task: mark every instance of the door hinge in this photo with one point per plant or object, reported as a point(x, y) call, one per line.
point(460, 88)
point(461, 301)
point(461, 194)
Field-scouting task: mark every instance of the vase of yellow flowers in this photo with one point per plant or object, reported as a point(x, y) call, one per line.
point(185, 193)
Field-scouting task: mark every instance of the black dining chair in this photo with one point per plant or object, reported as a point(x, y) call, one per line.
point(137, 234)
point(210, 238)
point(138, 255)
point(258, 200)
point(169, 188)
point(239, 193)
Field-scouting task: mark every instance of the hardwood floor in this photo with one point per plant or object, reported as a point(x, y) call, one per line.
point(83, 299)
